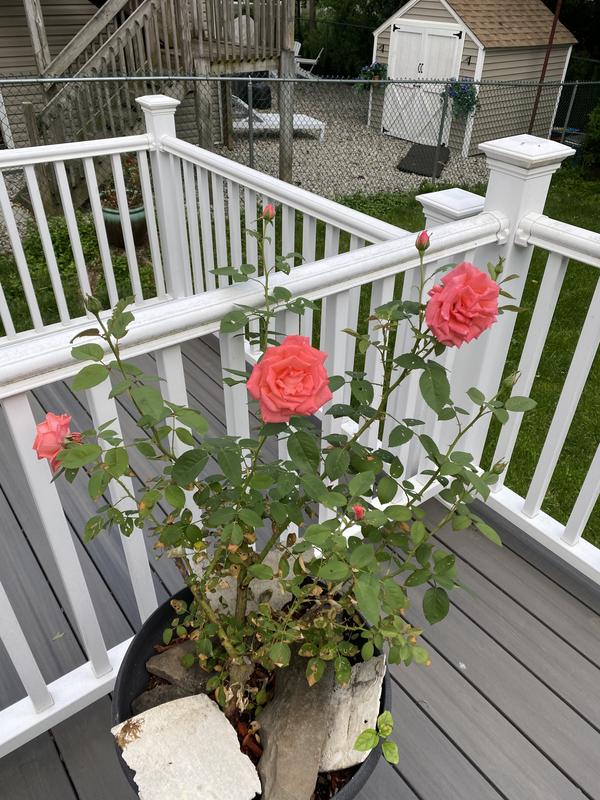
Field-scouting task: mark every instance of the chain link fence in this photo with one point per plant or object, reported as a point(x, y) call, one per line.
point(334, 137)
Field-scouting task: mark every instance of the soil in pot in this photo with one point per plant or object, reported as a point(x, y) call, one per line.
point(133, 680)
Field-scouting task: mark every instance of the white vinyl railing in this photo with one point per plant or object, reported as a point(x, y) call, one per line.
point(197, 207)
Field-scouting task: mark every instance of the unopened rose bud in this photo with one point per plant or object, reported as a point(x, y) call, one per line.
point(268, 212)
point(499, 467)
point(422, 242)
point(359, 511)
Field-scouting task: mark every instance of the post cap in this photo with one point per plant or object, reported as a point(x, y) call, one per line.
point(157, 102)
point(451, 204)
point(526, 151)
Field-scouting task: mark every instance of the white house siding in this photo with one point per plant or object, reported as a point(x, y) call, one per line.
point(506, 110)
point(62, 18)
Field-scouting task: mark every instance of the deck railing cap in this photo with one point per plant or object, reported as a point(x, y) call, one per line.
point(450, 204)
point(526, 151)
point(157, 103)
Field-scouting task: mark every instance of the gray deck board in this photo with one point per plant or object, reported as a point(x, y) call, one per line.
point(506, 711)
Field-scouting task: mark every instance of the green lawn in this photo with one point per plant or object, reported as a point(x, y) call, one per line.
point(577, 201)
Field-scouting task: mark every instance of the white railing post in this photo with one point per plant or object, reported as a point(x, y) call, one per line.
point(521, 169)
point(159, 116)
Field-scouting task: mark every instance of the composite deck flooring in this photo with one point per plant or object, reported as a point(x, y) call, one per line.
point(510, 707)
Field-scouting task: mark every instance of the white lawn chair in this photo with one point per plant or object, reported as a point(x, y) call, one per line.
point(305, 66)
point(270, 122)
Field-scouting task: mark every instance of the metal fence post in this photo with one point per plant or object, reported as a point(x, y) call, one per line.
point(250, 124)
point(569, 109)
point(438, 145)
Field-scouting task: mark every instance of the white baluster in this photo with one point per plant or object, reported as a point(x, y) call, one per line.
point(96, 207)
point(584, 355)
point(191, 208)
point(19, 256)
point(584, 505)
point(71, 220)
point(235, 228)
point(147, 196)
point(45, 496)
point(218, 213)
point(552, 281)
point(123, 205)
point(309, 244)
point(19, 652)
point(102, 409)
point(233, 356)
point(204, 208)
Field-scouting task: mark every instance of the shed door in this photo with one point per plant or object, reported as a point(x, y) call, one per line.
point(414, 111)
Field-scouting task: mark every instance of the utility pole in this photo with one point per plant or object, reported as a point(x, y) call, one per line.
point(538, 94)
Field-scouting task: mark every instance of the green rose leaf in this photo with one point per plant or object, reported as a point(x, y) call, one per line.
point(343, 670)
point(89, 376)
point(303, 450)
point(516, 403)
point(280, 654)
point(390, 751)
point(175, 496)
point(79, 455)
point(193, 420)
point(261, 571)
point(366, 591)
point(387, 488)
point(361, 483)
point(317, 535)
point(337, 463)
point(476, 396)
point(385, 723)
point(400, 435)
point(250, 517)
point(489, 532)
point(234, 321)
point(88, 352)
point(334, 570)
point(367, 740)
point(315, 669)
point(362, 555)
point(418, 577)
point(117, 461)
point(149, 401)
point(188, 466)
point(434, 386)
point(230, 463)
point(435, 604)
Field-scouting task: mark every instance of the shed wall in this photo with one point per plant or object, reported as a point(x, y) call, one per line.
point(506, 110)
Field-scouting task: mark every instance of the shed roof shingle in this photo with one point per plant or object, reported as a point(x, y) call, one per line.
point(510, 23)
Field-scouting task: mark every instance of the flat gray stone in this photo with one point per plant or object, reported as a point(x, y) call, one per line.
point(293, 728)
point(168, 666)
point(259, 591)
point(163, 693)
point(352, 708)
point(186, 750)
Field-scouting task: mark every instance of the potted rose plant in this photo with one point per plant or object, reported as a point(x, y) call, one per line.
point(135, 202)
point(284, 607)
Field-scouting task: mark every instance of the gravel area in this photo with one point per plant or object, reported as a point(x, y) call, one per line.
point(352, 158)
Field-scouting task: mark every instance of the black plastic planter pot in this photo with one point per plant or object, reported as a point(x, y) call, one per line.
point(114, 229)
point(133, 679)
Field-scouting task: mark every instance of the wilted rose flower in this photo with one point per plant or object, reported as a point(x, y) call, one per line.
point(290, 379)
point(51, 435)
point(422, 242)
point(462, 306)
point(359, 511)
point(268, 212)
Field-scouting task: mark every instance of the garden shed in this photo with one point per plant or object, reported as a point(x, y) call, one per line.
point(472, 40)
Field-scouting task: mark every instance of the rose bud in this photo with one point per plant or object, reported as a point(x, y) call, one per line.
point(268, 212)
point(359, 511)
point(422, 242)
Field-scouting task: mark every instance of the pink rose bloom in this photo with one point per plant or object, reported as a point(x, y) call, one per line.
point(290, 379)
point(51, 435)
point(359, 511)
point(462, 306)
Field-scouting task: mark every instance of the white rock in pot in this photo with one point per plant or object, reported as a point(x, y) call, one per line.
point(186, 749)
point(352, 709)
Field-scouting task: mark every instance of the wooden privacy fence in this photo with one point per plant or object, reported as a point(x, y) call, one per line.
point(198, 206)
